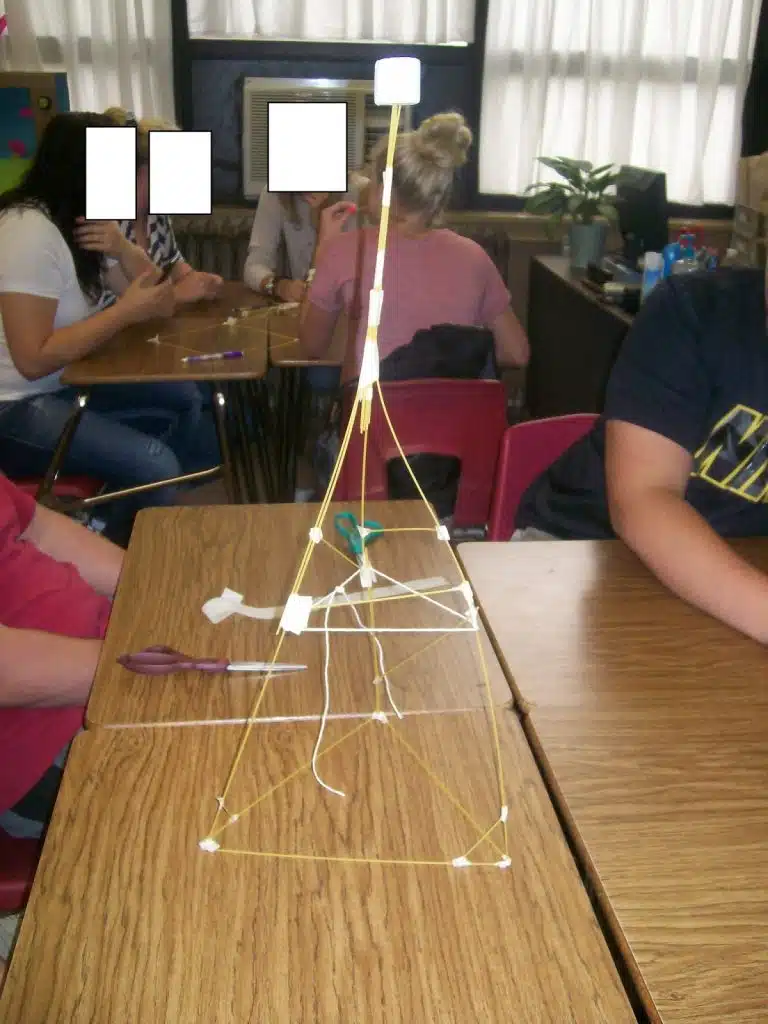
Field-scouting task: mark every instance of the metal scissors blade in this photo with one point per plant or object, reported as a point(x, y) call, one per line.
point(161, 661)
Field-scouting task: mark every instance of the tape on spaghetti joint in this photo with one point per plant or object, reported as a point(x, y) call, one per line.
point(375, 302)
point(379, 716)
point(378, 272)
point(442, 533)
point(369, 369)
point(504, 862)
point(295, 617)
point(315, 534)
point(503, 817)
point(367, 577)
point(209, 845)
point(461, 862)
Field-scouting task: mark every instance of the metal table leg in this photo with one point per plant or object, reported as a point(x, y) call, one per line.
point(228, 468)
point(62, 448)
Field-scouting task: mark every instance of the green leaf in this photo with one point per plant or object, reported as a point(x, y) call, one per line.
point(601, 170)
point(608, 211)
point(568, 169)
point(551, 202)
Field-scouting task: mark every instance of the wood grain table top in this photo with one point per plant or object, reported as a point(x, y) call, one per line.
point(284, 348)
point(584, 624)
point(651, 722)
point(130, 357)
point(180, 558)
point(671, 810)
point(129, 920)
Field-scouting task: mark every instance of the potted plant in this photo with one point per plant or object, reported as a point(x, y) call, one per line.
point(581, 197)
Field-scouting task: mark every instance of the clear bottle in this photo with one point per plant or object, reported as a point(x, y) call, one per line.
point(653, 271)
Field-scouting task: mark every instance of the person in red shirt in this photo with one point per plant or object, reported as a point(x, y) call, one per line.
point(57, 582)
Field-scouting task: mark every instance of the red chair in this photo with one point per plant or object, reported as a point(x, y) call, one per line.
point(66, 487)
point(527, 450)
point(460, 418)
point(18, 863)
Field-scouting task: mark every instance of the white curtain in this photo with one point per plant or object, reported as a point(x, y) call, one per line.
point(389, 21)
point(115, 52)
point(651, 83)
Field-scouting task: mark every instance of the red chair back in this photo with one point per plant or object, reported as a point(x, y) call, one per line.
point(65, 487)
point(527, 450)
point(460, 418)
point(18, 863)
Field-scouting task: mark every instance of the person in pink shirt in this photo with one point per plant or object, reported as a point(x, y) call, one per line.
point(431, 276)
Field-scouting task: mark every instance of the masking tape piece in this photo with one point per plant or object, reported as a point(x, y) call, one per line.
point(369, 369)
point(461, 862)
point(442, 533)
point(209, 845)
point(315, 534)
point(230, 603)
point(375, 303)
point(295, 617)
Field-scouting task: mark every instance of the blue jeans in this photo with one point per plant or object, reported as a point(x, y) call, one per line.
point(129, 434)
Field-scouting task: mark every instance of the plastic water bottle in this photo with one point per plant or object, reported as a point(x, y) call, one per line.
point(653, 272)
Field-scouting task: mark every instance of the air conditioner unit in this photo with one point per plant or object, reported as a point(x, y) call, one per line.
point(366, 123)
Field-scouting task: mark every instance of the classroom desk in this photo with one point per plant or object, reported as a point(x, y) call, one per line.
point(130, 921)
point(574, 340)
point(181, 557)
point(240, 405)
point(293, 393)
point(650, 721)
point(583, 624)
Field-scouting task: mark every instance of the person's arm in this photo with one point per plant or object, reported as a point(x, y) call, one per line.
point(510, 340)
point(96, 559)
point(646, 480)
point(264, 244)
point(40, 669)
point(106, 237)
point(37, 348)
point(316, 330)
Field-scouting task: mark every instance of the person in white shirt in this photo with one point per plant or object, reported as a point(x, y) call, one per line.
point(53, 279)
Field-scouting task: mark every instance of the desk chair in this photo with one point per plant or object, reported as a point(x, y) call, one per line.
point(527, 450)
point(463, 419)
point(18, 863)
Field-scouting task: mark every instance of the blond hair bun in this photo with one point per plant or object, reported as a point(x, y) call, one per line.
point(444, 140)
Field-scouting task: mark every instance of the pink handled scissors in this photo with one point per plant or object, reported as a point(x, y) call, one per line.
point(162, 661)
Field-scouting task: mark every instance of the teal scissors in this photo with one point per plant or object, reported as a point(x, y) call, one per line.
point(348, 526)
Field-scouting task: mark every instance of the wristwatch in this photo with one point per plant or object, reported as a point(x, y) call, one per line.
point(271, 286)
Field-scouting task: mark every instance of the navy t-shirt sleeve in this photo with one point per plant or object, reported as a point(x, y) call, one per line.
point(660, 380)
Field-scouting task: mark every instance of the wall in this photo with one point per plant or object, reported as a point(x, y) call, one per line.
point(216, 98)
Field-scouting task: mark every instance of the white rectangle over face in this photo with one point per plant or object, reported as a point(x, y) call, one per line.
point(110, 173)
point(180, 173)
point(307, 147)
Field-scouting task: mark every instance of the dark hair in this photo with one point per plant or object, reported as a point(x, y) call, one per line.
point(55, 184)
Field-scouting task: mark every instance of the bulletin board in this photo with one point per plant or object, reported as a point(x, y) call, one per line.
point(28, 100)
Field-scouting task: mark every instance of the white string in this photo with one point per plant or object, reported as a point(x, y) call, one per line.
point(382, 668)
point(326, 705)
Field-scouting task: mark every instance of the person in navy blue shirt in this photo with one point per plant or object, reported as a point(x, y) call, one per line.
point(679, 459)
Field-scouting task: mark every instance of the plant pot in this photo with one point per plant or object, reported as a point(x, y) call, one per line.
point(587, 243)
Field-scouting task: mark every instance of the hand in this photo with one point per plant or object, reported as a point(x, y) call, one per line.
point(333, 219)
point(145, 299)
point(198, 287)
point(100, 236)
point(290, 291)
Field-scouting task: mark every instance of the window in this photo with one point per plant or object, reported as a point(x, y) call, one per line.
point(382, 21)
point(116, 53)
point(642, 82)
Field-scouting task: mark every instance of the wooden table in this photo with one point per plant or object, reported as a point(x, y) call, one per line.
point(179, 558)
point(130, 921)
point(651, 723)
point(584, 624)
point(574, 340)
point(154, 351)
